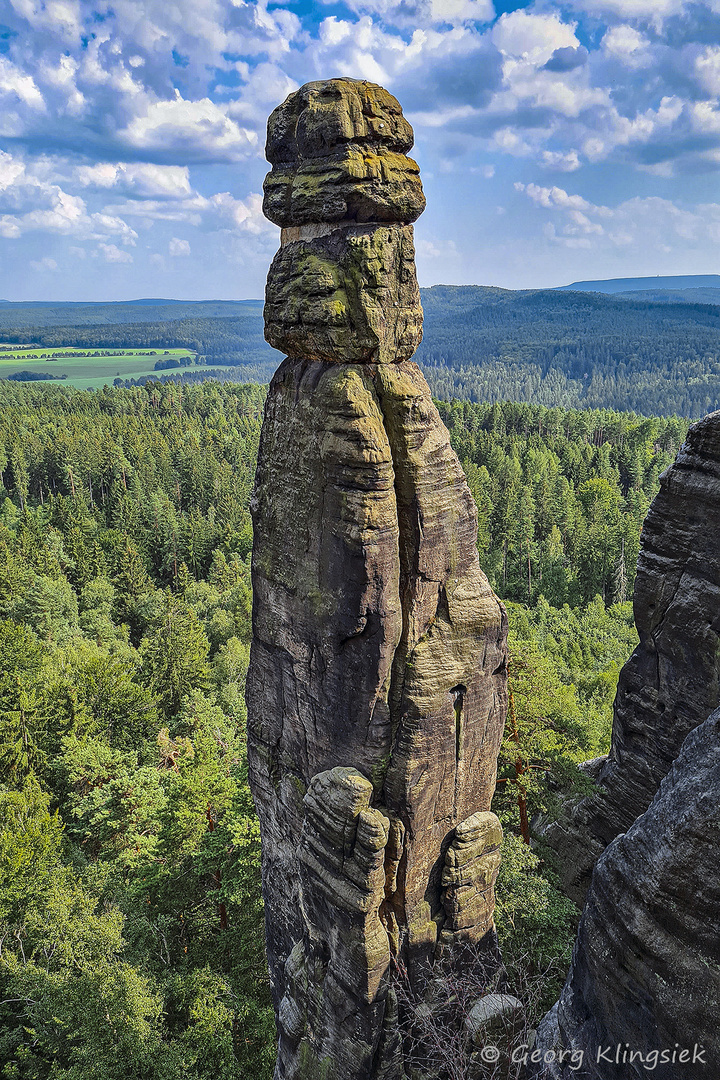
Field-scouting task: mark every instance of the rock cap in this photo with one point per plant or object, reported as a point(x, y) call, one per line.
point(338, 150)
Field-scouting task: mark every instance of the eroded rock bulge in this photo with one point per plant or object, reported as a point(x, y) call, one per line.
point(646, 965)
point(672, 681)
point(377, 683)
point(350, 296)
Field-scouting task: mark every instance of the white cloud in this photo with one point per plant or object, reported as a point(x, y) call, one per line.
point(20, 86)
point(137, 179)
point(46, 263)
point(63, 79)
point(556, 197)
point(113, 254)
point(197, 128)
point(178, 247)
point(129, 110)
point(512, 142)
point(643, 223)
point(31, 203)
point(628, 45)
point(533, 37)
point(61, 17)
point(11, 171)
point(652, 10)
point(707, 67)
point(562, 160)
point(455, 11)
point(218, 212)
point(425, 12)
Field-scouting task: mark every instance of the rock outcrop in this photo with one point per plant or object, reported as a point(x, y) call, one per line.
point(643, 994)
point(377, 683)
point(672, 681)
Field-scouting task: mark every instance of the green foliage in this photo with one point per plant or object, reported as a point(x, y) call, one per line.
point(585, 648)
point(558, 348)
point(544, 735)
point(561, 495)
point(174, 655)
point(536, 924)
point(131, 914)
point(131, 922)
point(582, 350)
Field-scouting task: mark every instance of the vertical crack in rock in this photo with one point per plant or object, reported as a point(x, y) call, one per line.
point(377, 683)
point(672, 681)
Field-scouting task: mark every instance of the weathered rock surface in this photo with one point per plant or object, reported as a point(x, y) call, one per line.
point(377, 683)
point(340, 969)
point(646, 966)
point(468, 880)
point(672, 681)
point(377, 640)
point(350, 296)
point(338, 150)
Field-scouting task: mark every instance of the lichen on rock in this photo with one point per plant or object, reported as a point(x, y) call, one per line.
point(338, 150)
point(350, 296)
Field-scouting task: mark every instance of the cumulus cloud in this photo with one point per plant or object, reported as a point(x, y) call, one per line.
point(129, 118)
point(31, 203)
point(196, 130)
point(178, 247)
point(707, 68)
point(425, 12)
point(113, 254)
point(15, 86)
point(653, 10)
point(44, 264)
point(562, 160)
point(567, 58)
point(651, 223)
point(628, 45)
point(535, 37)
point(138, 180)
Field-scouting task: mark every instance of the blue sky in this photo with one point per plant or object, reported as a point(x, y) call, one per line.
point(557, 140)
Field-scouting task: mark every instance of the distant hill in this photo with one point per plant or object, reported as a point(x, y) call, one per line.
point(20, 315)
point(556, 347)
point(645, 284)
point(632, 350)
point(673, 296)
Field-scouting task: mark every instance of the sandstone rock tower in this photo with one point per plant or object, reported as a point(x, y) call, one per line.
point(377, 683)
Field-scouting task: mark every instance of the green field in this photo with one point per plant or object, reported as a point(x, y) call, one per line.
point(85, 368)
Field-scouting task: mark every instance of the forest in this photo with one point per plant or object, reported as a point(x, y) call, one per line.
point(549, 347)
point(130, 906)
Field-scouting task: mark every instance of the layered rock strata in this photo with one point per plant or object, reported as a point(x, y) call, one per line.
point(672, 681)
point(643, 994)
point(377, 683)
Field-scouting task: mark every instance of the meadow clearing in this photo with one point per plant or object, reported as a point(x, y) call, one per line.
point(86, 368)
